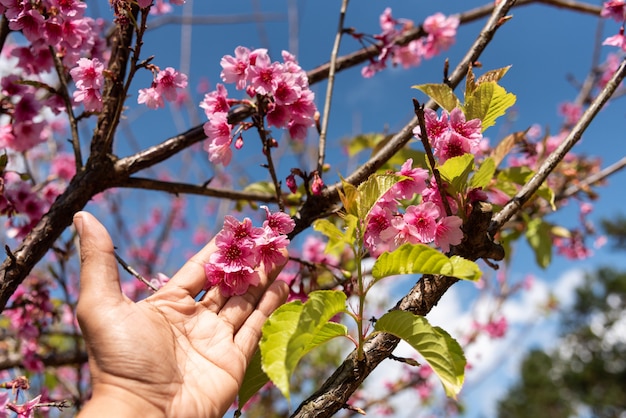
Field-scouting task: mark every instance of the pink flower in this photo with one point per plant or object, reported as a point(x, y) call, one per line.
point(441, 33)
point(235, 69)
point(448, 232)
point(421, 222)
point(405, 189)
point(470, 129)
point(88, 74)
point(278, 222)
point(617, 40)
point(615, 9)
point(168, 81)
point(378, 221)
point(151, 98)
point(91, 99)
point(216, 101)
point(218, 132)
point(264, 75)
point(144, 3)
point(496, 328)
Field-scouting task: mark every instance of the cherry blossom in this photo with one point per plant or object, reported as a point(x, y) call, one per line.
point(243, 248)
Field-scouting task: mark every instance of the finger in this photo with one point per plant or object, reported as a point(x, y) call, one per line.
point(99, 277)
point(247, 338)
point(237, 309)
point(191, 276)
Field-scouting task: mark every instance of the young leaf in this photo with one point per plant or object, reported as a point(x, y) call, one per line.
point(294, 329)
point(421, 259)
point(438, 348)
point(506, 145)
point(442, 94)
point(539, 238)
point(349, 197)
point(253, 380)
point(493, 75)
point(488, 102)
point(483, 176)
point(456, 170)
point(363, 142)
point(373, 189)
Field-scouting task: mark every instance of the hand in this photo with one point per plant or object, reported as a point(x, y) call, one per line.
point(168, 355)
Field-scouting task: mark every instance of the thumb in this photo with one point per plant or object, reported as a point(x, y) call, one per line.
point(99, 277)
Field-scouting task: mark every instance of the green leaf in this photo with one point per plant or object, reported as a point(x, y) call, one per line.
point(294, 329)
point(349, 198)
point(363, 141)
point(488, 102)
point(538, 235)
point(260, 187)
point(456, 171)
point(4, 160)
point(521, 176)
point(422, 259)
point(442, 94)
point(253, 380)
point(371, 190)
point(438, 348)
point(483, 176)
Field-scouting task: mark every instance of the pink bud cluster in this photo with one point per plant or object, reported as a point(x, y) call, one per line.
point(243, 248)
point(282, 87)
point(440, 35)
point(423, 223)
point(29, 312)
point(165, 86)
point(451, 135)
point(616, 10)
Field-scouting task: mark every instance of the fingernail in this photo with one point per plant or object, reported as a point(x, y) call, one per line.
point(78, 223)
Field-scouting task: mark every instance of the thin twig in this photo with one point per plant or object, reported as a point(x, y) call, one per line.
point(529, 189)
point(69, 108)
point(593, 179)
point(134, 272)
point(419, 112)
point(321, 154)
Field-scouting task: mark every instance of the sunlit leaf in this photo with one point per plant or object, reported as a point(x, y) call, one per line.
point(294, 329)
point(442, 94)
point(422, 259)
point(488, 102)
point(371, 190)
point(456, 171)
point(493, 75)
point(441, 351)
point(506, 145)
point(363, 142)
point(482, 177)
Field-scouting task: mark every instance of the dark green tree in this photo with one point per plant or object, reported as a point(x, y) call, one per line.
point(587, 370)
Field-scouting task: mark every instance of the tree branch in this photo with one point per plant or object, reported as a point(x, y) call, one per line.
point(338, 388)
point(529, 189)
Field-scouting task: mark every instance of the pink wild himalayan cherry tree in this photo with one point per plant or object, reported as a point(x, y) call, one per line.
point(101, 110)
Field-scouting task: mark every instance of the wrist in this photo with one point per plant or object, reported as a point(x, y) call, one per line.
point(113, 401)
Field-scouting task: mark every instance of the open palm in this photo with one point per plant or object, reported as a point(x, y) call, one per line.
point(168, 355)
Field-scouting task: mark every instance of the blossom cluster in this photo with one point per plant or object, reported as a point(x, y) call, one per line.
point(422, 223)
point(165, 86)
point(243, 248)
point(451, 135)
point(60, 24)
point(440, 35)
point(282, 87)
point(30, 311)
point(24, 205)
point(89, 80)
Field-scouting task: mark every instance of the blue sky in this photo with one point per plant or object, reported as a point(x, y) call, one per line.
point(544, 46)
